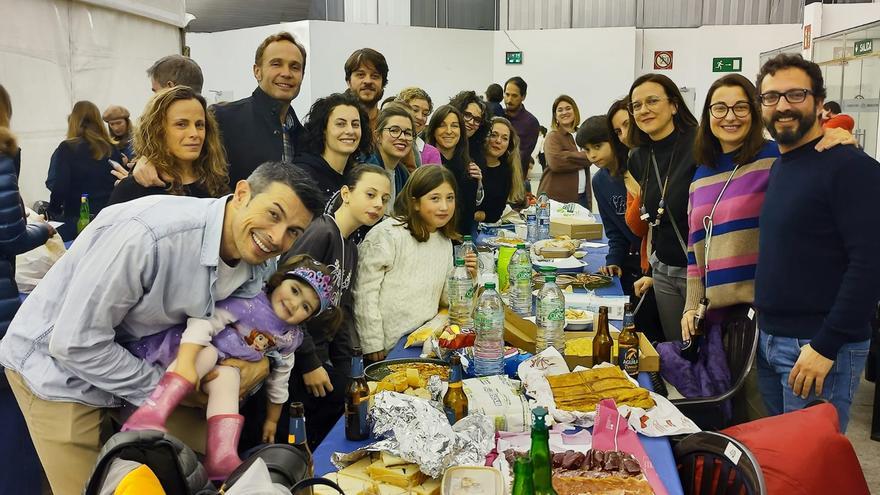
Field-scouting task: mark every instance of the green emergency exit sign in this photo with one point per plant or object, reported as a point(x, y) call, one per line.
point(863, 47)
point(727, 64)
point(513, 58)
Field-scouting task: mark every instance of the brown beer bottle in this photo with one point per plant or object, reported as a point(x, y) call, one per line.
point(297, 434)
point(602, 343)
point(357, 399)
point(628, 344)
point(455, 402)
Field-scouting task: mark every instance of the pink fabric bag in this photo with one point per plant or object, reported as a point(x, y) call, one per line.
point(612, 432)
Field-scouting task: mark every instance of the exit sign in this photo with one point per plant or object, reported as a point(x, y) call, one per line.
point(863, 47)
point(727, 64)
point(513, 58)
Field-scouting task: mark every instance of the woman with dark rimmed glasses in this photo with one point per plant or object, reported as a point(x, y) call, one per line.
point(662, 132)
point(725, 199)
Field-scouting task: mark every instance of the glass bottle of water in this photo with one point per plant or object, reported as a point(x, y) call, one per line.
point(543, 207)
point(460, 291)
point(489, 346)
point(550, 316)
point(519, 272)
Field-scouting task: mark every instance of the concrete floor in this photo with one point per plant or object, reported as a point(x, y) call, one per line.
point(859, 433)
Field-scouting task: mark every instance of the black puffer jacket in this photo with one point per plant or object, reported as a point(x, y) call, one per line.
point(16, 237)
point(251, 132)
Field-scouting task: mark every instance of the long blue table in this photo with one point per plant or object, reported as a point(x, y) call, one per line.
point(658, 448)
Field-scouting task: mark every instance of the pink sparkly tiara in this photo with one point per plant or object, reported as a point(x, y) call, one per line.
point(323, 284)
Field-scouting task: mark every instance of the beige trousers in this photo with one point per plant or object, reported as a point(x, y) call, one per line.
point(68, 436)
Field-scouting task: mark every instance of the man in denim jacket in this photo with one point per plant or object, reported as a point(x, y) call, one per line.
point(137, 269)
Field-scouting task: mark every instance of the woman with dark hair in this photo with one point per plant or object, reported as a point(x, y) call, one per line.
point(336, 131)
point(663, 163)
point(388, 299)
point(445, 133)
point(181, 139)
point(323, 360)
point(394, 136)
point(503, 172)
point(622, 259)
point(473, 109)
point(80, 165)
point(725, 199)
point(566, 178)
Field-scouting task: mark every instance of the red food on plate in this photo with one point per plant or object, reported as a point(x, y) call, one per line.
point(460, 341)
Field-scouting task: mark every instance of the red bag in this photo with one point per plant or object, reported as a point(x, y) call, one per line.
point(612, 432)
point(803, 452)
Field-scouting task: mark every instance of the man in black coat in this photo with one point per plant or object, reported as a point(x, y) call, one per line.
point(262, 127)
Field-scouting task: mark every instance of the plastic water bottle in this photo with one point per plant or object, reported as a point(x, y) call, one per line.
point(467, 246)
point(460, 291)
point(543, 217)
point(531, 226)
point(519, 276)
point(489, 346)
point(550, 316)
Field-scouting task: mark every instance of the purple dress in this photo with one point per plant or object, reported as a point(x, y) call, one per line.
point(252, 315)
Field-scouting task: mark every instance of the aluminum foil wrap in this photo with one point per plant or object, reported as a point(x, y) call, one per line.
point(414, 430)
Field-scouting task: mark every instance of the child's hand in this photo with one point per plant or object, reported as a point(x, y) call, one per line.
point(269, 428)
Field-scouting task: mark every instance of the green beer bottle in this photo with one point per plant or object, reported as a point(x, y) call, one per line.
point(523, 484)
point(540, 453)
point(84, 215)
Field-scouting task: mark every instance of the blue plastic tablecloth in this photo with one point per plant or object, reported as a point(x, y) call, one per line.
point(658, 448)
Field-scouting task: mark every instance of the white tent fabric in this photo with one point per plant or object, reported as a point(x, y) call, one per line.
point(54, 53)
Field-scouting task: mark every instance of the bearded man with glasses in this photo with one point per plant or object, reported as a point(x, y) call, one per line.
point(817, 218)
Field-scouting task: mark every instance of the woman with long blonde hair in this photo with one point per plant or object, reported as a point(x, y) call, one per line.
point(179, 136)
point(81, 165)
point(502, 174)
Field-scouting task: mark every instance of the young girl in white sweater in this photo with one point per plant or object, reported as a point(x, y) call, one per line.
point(405, 261)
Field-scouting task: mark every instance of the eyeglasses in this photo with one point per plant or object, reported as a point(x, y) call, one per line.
point(469, 117)
point(771, 98)
point(650, 103)
point(720, 110)
point(494, 136)
point(398, 132)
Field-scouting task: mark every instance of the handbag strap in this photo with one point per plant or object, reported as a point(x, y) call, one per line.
point(310, 482)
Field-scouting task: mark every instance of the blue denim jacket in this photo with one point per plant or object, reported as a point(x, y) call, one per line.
point(137, 269)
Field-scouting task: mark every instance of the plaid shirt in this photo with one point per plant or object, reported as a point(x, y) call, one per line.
point(287, 149)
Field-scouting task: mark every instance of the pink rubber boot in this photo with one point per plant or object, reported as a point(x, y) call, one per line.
point(155, 410)
point(221, 449)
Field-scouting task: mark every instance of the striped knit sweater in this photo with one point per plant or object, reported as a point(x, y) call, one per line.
point(733, 251)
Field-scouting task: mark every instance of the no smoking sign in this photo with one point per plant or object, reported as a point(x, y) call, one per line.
point(663, 60)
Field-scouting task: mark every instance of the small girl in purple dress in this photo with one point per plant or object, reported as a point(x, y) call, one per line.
point(247, 329)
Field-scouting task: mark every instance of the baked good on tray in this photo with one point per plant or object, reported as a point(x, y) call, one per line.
point(582, 390)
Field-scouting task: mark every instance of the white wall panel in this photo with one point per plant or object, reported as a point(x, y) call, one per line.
point(394, 12)
point(58, 52)
point(361, 11)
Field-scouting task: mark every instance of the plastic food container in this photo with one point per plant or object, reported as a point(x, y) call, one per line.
point(472, 480)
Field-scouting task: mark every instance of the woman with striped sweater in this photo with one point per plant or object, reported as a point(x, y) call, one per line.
point(725, 199)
